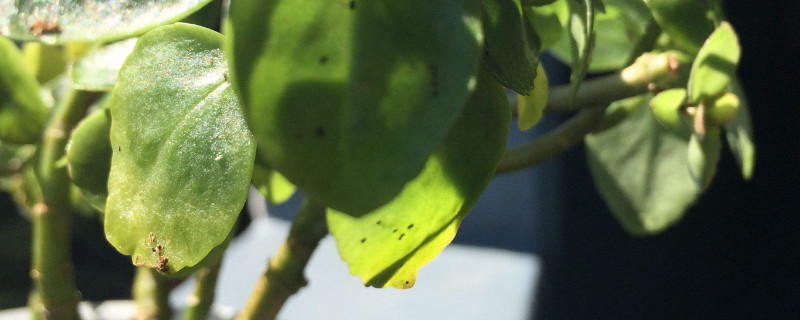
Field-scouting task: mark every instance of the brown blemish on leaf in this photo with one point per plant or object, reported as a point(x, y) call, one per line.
point(39, 27)
point(157, 249)
point(119, 148)
point(379, 222)
point(395, 230)
point(161, 264)
point(410, 226)
point(401, 236)
point(363, 240)
point(151, 238)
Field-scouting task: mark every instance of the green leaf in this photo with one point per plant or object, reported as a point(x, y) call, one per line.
point(511, 44)
point(619, 110)
point(46, 62)
point(58, 21)
point(617, 31)
point(98, 70)
point(272, 185)
point(582, 39)
point(545, 23)
point(640, 170)
point(685, 21)
point(667, 108)
point(89, 156)
point(703, 156)
point(739, 134)
point(23, 114)
point(386, 247)
point(715, 65)
point(182, 154)
point(536, 2)
point(531, 107)
point(349, 99)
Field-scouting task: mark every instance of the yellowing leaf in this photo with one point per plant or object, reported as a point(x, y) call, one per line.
point(386, 247)
point(530, 108)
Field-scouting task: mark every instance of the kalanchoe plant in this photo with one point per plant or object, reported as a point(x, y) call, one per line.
point(390, 116)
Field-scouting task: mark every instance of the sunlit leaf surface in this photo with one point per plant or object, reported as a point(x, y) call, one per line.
point(60, 21)
point(386, 247)
point(98, 70)
point(182, 154)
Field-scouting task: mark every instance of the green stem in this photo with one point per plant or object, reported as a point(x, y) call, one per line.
point(284, 276)
point(552, 143)
point(593, 97)
point(647, 70)
point(200, 301)
point(52, 269)
point(151, 294)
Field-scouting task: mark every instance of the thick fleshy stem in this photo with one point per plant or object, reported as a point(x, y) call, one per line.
point(52, 269)
point(649, 71)
point(200, 301)
point(284, 276)
point(151, 294)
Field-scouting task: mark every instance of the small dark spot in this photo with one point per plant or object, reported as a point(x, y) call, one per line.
point(395, 230)
point(225, 76)
point(363, 240)
point(119, 148)
point(379, 222)
point(401, 236)
point(320, 131)
point(406, 282)
point(323, 60)
point(352, 5)
point(410, 226)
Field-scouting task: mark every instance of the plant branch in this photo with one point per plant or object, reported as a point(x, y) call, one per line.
point(647, 70)
point(553, 143)
point(52, 269)
point(284, 276)
point(151, 294)
point(593, 97)
point(200, 301)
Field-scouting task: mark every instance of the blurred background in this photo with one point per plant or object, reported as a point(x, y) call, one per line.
point(735, 255)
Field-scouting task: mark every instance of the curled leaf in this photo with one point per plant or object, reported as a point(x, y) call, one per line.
point(715, 65)
point(89, 157)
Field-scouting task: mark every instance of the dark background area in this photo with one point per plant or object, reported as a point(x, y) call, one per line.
point(735, 255)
